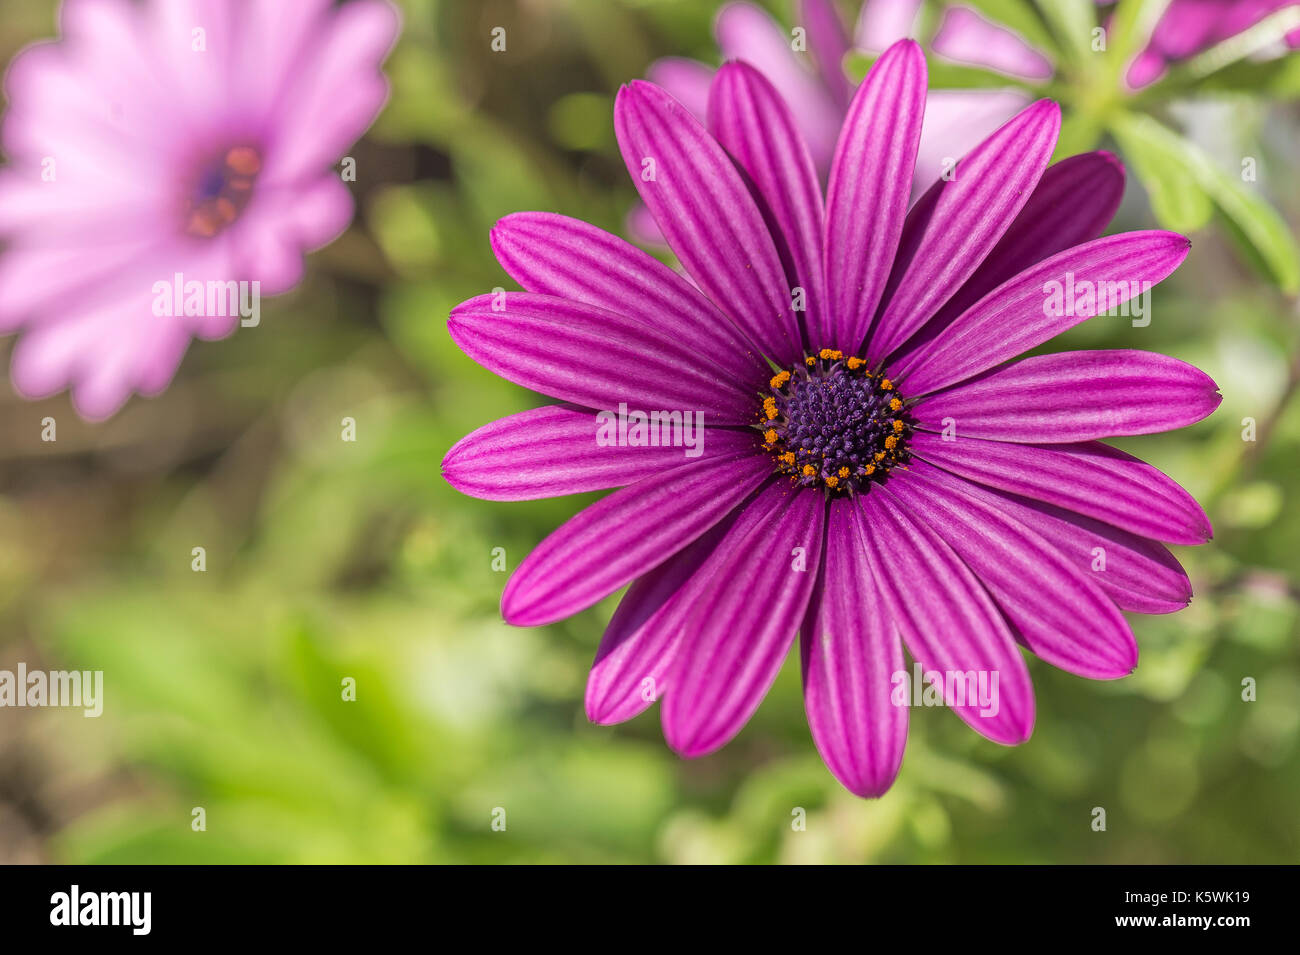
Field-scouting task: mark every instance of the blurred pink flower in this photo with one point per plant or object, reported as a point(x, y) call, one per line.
point(172, 141)
point(815, 86)
point(1189, 27)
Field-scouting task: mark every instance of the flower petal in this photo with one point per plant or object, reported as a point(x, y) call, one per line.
point(707, 216)
point(1055, 610)
point(592, 357)
point(850, 655)
point(744, 620)
point(1091, 478)
point(870, 185)
point(558, 450)
point(754, 124)
point(624, 535)
point(1031, 308)
point(1137, 573)
point(746, 31)
point(948, 622)
point(1075, 396)
point(1073, 203)
point(828, 44)
point(966, 37)
point(556, 255)
point(631, 666)
point(955, 226)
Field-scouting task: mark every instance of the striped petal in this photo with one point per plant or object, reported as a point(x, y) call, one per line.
point(744, 620)
point(1055, 610)
point(851, 653)
point(624, 535)
point(1137, 573)
point(1075, 396)
point(556, 255)
point(1091, 478)
point(1040, 303)
point(593, 357)
point(562, 449)
point(948, 622)
point(1072, 204)
point(870, 185)
point(707, 215)
point(750, 119)
point(954, 227)
point(631, 666)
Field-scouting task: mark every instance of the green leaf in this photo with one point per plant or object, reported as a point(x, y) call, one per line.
point(1175, 170)
point(1157, 156)
point(1072, 22)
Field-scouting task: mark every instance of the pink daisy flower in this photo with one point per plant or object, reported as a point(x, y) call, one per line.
point(877, 470)
point(166, 143)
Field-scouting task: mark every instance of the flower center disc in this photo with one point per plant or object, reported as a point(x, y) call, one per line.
point(222, 191)
point(833, 422)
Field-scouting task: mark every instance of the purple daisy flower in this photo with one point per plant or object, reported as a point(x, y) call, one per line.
point(877, 471)
point(184, 143)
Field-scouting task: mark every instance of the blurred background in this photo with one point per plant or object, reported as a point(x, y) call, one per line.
point(328, 560)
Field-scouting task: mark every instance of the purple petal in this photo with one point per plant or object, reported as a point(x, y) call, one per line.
point(850, 655)
point(1055, 610)
point(955, 226)
point(687, 81)
point(1091, 478)
point(870, 185)
point(1025, 311)
point(557, 255)
point(828, 44)
point(1073, 203)
point(552, 451)
point(631, 666)
point(947, 620)
point(1137, 573)
point(883, 22)
point(1075, 396)
point(750, 119)
point(966, 37)
point(707, 216)
point(593, 357)
point(744, 620)
point(624, 535)
point(747, 32)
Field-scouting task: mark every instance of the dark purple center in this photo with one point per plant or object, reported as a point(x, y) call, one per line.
point(832, 422)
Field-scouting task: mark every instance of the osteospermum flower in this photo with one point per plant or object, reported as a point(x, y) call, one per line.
point(877, 471)
point(166, 143)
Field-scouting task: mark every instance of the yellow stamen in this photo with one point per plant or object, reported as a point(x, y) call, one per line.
point(895, 405)
point(886, 384)
point(779, 380)
point(769, 436)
